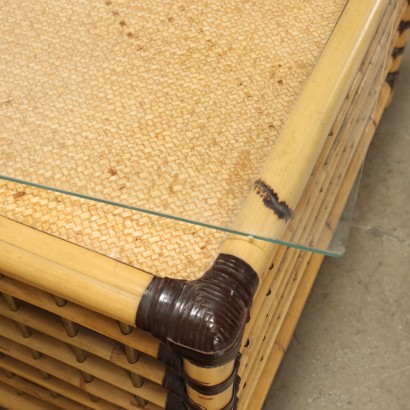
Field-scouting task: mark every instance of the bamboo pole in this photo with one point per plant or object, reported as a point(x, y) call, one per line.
point(71, 272)
point(74, 257)
point(286, 331)
point(57, 369)
point(95, 343)
point(97, 367)
point(279, 273)
point(285, 300)
point(67, 283)
point(305, 201)
point(310, 120)
point(88, 318)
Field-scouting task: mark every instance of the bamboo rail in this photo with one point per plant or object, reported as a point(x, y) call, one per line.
point(279, 347)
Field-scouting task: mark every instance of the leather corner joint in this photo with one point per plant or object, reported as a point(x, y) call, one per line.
point(201, 320)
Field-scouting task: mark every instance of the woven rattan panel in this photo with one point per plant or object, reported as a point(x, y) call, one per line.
point(80, 82)
point(160, 246)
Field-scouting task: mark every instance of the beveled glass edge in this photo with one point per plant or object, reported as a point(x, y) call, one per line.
point(336, 247)
point(340, 238)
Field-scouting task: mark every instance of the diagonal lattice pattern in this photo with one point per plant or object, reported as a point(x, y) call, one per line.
point(168, 106)
point(161, 246)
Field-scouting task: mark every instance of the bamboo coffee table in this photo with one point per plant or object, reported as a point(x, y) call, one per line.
point(172, 175)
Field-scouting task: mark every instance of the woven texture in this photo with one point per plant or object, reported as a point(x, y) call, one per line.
point(157, 245)
point(168, 106)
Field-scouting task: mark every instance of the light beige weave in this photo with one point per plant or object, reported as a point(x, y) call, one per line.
point(170, 105)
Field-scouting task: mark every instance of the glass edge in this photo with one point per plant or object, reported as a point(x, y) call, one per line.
point(338, 252)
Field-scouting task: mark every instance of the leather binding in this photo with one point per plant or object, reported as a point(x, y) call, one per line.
point(391, 78)
point(202, 321)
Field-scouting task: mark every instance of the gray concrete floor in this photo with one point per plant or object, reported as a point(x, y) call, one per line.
point(351, 349)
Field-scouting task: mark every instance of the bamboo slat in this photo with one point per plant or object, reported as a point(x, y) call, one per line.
point(88, 318)
point(59, 386)
point(96, 388)
point(38, 392)
point(13, 399)
point(306, 204)
point(286, 331)
point(93, 365)
point(93, 342)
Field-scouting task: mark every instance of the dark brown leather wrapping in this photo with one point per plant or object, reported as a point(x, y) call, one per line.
point(178, 399)
point(391, 78)
point(175, 381)
point(403, 26)
point(201, 320)
point(169, 357)
point(397, 51)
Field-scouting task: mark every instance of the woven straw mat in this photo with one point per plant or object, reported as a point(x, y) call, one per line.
point(167, 105)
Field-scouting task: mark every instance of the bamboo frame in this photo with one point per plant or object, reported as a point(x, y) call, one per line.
point(281, 343)
point(41, 261)
point(69, 271)
point(304, 124)
point(306, 201)
point(310, 120)
point(286, 331)
point(282, 275)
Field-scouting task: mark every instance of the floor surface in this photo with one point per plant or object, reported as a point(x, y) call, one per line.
point(351, 349)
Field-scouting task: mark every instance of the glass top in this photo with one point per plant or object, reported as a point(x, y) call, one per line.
point(116, 105)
